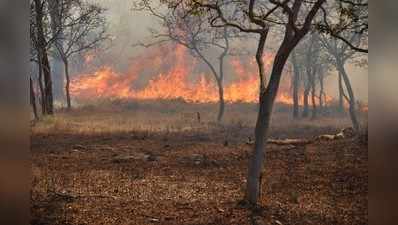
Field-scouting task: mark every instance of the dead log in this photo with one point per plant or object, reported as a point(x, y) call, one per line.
point(288, 142)
point(344, 133)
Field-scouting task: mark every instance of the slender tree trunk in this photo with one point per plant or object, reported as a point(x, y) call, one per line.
point(256, 160)
point(313, 97)
point(48, 86)
point(296, 82)
point(33, 99)
point(341, 94)
point(267, 100)
point(352, 101)
point(48, 93)
point(219, 81)
point(55, 11)
point(42, 102)
point(41, 89)
point(221, 101)
point(220, 78)
point(306, 100)
point(322, 96)
point(67, 84)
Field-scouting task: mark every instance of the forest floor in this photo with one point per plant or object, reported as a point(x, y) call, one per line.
point(103, 175)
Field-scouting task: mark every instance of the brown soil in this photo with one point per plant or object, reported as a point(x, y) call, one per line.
point(189, 178)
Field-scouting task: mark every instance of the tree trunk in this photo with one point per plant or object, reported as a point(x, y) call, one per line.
point(221, 101)
point(322, 96)
point(55, 10)
point(296, 82)
point(352, 101)
point(48, 86)
point(266, 101)
point(306, 100)
point(41, 89)
point(67, 84)
point(42, 44)
point(341, 94)
point(33, 99)
point(313, 97)
point(256, 160)
point(218, 80)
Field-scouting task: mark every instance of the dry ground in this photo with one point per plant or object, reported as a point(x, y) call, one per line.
point(159, 165)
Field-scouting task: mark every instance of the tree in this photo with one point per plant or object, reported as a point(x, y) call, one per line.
point(295, 83)
point(350, 31)
point(257, 17)
point(313, 62)
point(83, 28)
point(313, 67)
point(323, 72)
point(38, 14)
point(341, 53)
point(196, 34)
point(56, 9)
point(33, 99)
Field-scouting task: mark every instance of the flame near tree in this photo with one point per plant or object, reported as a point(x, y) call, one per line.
point(175, 82)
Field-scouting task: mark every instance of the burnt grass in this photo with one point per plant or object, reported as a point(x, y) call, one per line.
point(195, 177)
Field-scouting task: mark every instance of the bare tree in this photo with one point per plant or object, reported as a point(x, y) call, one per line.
point(309, 52)
point(38, 14)
point(196, 34)
point(257, 17)
point(341, 53)
point(83, 28)
point(56, 9)
point(314, 62)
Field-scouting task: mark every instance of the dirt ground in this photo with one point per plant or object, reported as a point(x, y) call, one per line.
point(193, 174)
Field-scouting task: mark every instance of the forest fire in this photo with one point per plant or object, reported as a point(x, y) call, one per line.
point(156, 112)
point(176, 81)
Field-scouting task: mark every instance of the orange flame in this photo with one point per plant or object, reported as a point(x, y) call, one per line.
point(175, 81)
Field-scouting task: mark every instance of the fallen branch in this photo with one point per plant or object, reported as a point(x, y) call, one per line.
point(291, 142)
point(344, 133)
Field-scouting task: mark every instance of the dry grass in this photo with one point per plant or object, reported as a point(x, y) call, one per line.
point(91, 166)
point(171, 117)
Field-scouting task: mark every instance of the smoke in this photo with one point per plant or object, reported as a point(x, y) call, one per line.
point(128, 27)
